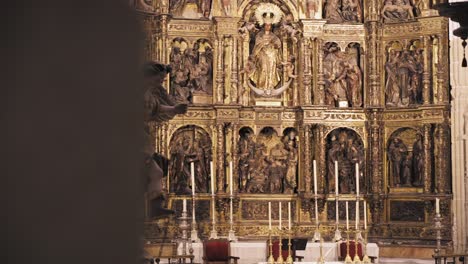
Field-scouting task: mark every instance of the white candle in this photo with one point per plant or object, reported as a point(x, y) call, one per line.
point(213, 211)
point(212, 178)
point(269, 215)
point(230, 177)
point(184, 202)
point(280, 215)
point(192, 173)
point(315, 177)
point(289, 215)
point(357, 214)
point(337, 185)
point(347, 216)
point(357, 178)
point(437, 206)
point(365, 215)
point(193, 214)
point(231, 211)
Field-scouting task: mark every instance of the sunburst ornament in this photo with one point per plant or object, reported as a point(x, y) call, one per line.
point(268, 13)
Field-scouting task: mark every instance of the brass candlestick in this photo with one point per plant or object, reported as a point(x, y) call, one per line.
point(280, 257)
point(271, 259)
point(365, 259)
point(321, 259)
point(289, 259)
point(356, 259)
point(348, 259)
point(213, 233)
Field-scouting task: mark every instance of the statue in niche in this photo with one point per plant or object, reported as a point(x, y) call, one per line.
point(192, 69)
point(338, 11)
point(407, 167)
point(418, 161)
point(190, 8)
point(272, 167)
point(343, 77)
point(292, 159)
point(397, 10)
point(246, 151)
point(397, 152)
point(309, 8)
point(267, 55)
point(345, 148)
point(404, 72)
point(277, 168)
point(265, 77)
point(189, 145)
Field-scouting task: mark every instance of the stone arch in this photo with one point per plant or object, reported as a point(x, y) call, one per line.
point(345, 146)
point(189, 144)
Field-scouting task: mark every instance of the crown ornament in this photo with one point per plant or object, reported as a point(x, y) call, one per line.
point(268, 13)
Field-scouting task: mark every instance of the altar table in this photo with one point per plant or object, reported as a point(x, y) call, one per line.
point(256, 252)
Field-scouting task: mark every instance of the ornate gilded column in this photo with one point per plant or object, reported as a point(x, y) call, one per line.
point(374, 96)
point(234, 71)
point(235, 162)
point(321, 162)
point(219, 70)
point(441, 153)
point(427, 157)
point(427, 71)
point(307, 75)
point(164, 37)
point(220, 150)
point(442, 73)
point(307, 170)
point(320, 80)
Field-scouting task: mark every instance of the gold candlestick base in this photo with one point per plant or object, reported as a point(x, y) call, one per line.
point(271, 259)
point(356, 259)
point(280, 257)
point(289, 259)
point(366, 258)
point(348, 259)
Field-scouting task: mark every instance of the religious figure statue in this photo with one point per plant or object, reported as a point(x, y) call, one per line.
point(343, 77)
point(404, 72)
point(246, 149)
point(345, 148)
point(407, 168)
point(397, 10)
point(278, 157)
point(418, 161)
point(397, 152)
point(292, 159)
point(338, 11)
point(309, 8)
point(190, 8)
point(267, 55)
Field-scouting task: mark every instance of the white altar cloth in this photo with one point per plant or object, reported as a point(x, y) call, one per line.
point(251, 252)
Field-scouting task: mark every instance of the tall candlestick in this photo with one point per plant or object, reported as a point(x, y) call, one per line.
point(280, 215)
point(315, 177)
point(337, 185)
point(213, 211)
point(231, 213)
point(357, 178)
point(184, 202)
point(212, 178)
point(269, 216)
point(437, 206)
point(289, 215)
point(365, 215)
point(337, 212)
point(357, 214)
point(192, 173)
point(347, 216)
point(230, 177)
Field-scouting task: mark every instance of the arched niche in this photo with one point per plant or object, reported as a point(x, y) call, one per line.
point(346, 147)
point(189, 144)
point(403, 69)
point(405, 158)
point(343, 75)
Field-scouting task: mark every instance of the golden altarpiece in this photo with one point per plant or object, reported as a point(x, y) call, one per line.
point(275, 85)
